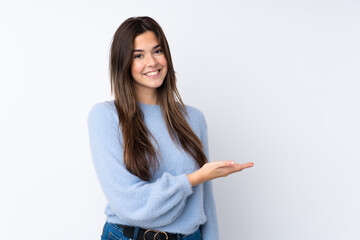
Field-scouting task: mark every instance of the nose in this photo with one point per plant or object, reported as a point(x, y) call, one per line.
point(150, 60)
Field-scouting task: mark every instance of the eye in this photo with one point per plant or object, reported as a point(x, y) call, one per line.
point(138, 56)
point(158, 51)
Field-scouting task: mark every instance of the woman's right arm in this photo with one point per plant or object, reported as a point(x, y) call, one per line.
point(139, 203)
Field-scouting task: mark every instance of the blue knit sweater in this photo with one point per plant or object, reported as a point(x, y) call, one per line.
point(165, 203)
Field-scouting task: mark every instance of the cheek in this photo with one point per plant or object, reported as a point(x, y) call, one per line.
point(136, 69)
point(163, 62)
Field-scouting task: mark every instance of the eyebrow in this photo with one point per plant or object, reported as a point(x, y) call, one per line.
point(139, 50)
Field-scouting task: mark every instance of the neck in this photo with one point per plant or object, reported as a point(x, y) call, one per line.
point(150, 97)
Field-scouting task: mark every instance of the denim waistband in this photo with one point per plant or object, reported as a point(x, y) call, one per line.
point(115, 231)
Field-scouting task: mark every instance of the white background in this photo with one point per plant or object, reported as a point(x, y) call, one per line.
point(278, 82)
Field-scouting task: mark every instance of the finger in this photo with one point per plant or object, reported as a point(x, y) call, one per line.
point(245, 165)
point(225, 163)
point(232, 164)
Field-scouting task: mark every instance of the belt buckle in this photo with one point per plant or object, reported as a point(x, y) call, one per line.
point(157, 232)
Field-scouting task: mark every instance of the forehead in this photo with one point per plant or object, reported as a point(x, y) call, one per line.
point(146, 40)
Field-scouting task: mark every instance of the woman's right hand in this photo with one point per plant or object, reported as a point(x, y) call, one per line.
point(216, 169)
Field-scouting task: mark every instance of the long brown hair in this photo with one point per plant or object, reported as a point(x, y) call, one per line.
point(139, 153)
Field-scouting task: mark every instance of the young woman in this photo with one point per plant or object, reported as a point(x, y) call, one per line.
point(150, 151)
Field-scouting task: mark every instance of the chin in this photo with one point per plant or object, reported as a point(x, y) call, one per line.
point(158, 85)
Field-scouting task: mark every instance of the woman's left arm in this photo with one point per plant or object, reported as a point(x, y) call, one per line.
point(209, 229)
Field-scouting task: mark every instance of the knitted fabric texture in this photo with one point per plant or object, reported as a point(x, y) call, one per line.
point(167, 202)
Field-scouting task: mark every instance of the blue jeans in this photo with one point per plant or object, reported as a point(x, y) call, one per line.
point(113, 232)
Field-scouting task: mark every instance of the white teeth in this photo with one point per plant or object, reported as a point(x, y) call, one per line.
point(152, 73)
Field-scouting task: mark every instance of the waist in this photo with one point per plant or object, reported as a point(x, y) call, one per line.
point(137, 233)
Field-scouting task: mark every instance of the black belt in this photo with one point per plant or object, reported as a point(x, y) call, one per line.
point(148, 234)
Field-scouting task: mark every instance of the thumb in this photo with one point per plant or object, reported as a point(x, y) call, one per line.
point(228, 163)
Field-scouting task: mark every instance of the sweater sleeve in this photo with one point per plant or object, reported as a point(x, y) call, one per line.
point(136, 202)
point(209, 229)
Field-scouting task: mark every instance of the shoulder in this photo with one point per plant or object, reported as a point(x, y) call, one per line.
point(196, 120)
point(104, 110)
point(194, 114)
point(102, 107)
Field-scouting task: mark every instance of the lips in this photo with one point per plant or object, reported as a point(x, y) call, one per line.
point(152, 73)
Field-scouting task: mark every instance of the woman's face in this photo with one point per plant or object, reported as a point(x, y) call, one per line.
point(149, 65)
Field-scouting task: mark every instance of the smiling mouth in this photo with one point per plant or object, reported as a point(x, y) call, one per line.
point(153, 73)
